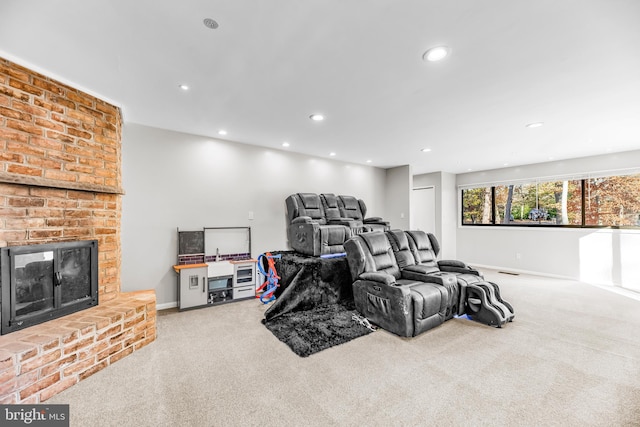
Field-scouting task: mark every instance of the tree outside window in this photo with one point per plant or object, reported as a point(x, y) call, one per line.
point(613, 201)
point(549, 203)
point(476, 206)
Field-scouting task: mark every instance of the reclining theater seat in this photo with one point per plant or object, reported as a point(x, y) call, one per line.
point(427, 271)
point(425, 249)
point(478, 298)
point(381, 293)
point(332, 214)
point(350, 207)
point(307, 228)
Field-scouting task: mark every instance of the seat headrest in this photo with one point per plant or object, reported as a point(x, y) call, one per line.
point(310, 200)
point(331, 200)
point(399, 239)
point(434, 243)
point(423, 245)
point(349, 202)
point(421, 240)
point(377, 242)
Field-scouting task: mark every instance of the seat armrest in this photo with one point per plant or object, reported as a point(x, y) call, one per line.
point(472, 270)
point(344, 221)
point(302, 219)
point(382, 278)
point(455, 266)
point(467, 270)
point(372, 219)
point(375, 220)
point(451, 263)
point(354, 225)
point(419, 276)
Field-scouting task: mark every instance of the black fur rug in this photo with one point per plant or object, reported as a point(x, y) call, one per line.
point(314, 305)
point(310, 331)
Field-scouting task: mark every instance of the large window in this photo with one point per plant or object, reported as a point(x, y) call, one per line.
point(477, 206)
point(612, 201)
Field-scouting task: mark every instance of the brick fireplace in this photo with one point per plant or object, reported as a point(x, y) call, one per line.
point(60, 180)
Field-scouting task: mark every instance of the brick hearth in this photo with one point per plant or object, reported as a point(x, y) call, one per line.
point(60, 180)
point(41, 361)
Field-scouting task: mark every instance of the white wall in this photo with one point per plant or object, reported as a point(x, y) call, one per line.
point(449, 216)
point(603, 256)
point(398, 197)
point(175, 180)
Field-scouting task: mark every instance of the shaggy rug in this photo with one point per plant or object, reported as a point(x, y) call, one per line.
point(314, 305)
point(310, 331)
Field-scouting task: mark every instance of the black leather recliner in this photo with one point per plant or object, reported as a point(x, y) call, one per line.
point(390, 270)
point(320, 224)
point(353, 208)
point(425, 249)
point(332, 214)
point(308, 230)
point(427, 271)
point(480, 299)
point(386, 295)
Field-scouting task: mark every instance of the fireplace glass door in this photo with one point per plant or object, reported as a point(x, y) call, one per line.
point(74, 273)
point(42, 282)
point(33, 283)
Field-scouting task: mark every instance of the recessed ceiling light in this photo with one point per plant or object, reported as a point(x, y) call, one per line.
point(210, 23)
point(316, 117)
point(534, 125)
point(222, 132)
point(183, 87)
point(332, 154)
point(426, 150)
point(369, 161)
point(436, 53)
point(285, 144)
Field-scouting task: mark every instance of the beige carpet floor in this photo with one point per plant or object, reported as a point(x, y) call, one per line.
point(570, 358)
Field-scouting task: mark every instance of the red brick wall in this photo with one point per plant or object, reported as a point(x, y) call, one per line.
point(60, 179)
point(54, 135)
point(30, 215)
point(60, 168)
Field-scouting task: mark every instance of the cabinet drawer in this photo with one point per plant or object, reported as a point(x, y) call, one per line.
point(244, 292)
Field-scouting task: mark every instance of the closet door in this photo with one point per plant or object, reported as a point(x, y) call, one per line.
point(423, 209)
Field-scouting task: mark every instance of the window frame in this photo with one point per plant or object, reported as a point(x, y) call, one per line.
point(583, 199)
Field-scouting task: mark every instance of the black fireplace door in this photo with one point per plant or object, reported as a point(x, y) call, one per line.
point(42, 282)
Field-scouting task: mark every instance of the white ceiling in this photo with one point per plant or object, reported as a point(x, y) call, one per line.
point(572, 64)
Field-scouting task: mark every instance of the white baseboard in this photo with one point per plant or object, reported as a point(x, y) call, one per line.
point(166, 305)
point(519, 271)
point(606, 286)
